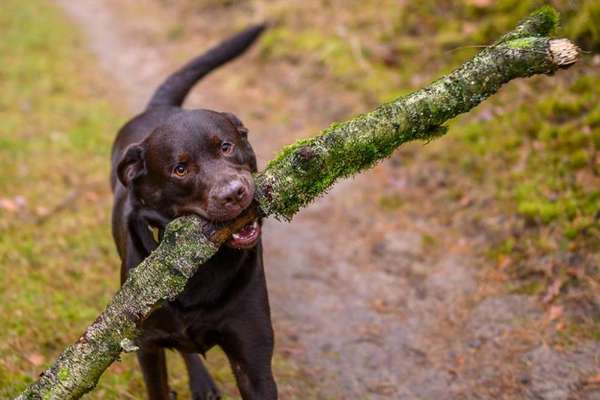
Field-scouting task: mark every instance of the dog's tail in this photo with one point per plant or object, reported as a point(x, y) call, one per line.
point(173, 91)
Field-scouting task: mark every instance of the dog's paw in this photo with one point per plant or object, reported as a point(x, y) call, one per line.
point(212, 394)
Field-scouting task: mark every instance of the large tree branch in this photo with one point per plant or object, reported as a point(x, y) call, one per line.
point(300, 173)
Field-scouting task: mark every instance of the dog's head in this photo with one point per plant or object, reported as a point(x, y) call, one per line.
point(196, 162)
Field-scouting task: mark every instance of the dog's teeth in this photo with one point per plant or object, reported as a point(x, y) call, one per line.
point(235, 236)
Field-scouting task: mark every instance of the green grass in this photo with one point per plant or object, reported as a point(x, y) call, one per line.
point(58, 265)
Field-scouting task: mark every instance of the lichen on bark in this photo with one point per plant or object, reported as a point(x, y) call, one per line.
point(300, 173)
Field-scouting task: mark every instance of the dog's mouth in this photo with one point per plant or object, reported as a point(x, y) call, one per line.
point(245, 238)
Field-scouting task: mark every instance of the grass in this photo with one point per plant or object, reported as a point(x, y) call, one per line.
point(59, 267)
point(53, 156)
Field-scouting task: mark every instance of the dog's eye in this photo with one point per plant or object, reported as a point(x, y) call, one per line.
point(226, 147)
point(180, 170)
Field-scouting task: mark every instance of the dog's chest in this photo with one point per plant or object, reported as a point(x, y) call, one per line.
point(188, 331)
point(195, 321)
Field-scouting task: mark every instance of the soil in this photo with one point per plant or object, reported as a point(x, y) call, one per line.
point(372, 303)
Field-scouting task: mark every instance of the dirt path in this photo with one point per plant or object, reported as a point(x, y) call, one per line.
point(373, 303)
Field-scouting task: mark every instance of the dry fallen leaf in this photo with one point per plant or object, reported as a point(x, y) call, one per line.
point(382, 306)
point(41, 210)
point(91, 196)
point(594, 380)
point(555, 312)
point(552, 292)
point(8, 205)
point(13, 204)
point(504, 262)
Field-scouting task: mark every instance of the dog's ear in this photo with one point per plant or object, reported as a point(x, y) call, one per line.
point(132, 164)
point(235, 121)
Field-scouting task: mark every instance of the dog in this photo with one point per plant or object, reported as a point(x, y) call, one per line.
point(168, 162)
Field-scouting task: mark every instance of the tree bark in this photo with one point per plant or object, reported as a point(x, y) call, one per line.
point(300, 173)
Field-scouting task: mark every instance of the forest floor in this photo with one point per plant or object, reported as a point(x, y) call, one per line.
point(399, 283)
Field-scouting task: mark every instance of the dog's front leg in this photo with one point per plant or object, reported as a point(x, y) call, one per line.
point(201, 384)
point(250, 351)
point(154, 368)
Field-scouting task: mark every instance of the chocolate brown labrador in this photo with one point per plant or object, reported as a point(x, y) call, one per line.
point(168, 162)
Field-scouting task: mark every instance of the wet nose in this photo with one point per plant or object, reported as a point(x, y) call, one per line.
point(233, 193)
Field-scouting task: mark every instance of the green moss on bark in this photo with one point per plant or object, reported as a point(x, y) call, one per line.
point(542, 22)
point(309, 167)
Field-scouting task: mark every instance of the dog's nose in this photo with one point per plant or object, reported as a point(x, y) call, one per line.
point(233, 193)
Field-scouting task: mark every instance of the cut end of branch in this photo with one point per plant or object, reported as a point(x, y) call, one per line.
point(564, 52)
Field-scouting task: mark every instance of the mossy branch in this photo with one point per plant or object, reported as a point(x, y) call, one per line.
point(302, 172)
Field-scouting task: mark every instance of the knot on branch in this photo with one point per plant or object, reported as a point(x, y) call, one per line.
point(305, 159)
point(128, 346)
